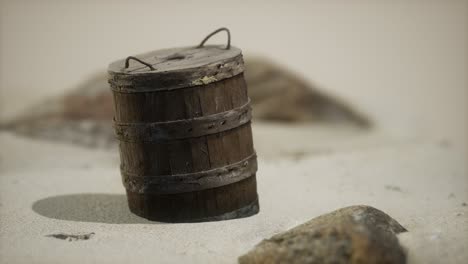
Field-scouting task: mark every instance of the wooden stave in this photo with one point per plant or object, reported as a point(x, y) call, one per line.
point(222, 143)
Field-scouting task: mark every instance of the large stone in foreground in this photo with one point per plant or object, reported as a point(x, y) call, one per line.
point(355, 234)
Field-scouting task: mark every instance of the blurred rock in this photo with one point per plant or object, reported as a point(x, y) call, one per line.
point(279, 95)
point(84, 115)
point(356, 234)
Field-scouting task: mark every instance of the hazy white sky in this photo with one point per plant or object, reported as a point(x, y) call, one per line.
point(384, 55)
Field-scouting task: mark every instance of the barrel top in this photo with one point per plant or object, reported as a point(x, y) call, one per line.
point(175, 68)
point(174, 59)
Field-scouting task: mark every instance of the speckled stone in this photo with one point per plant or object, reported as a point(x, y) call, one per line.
point(355, 234)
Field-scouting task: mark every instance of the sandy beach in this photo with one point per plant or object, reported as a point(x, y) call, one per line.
point(402, 64)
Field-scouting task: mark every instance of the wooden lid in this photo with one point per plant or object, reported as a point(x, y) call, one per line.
point(175, 68)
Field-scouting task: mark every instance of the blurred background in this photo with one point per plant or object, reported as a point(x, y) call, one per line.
point(404, 63)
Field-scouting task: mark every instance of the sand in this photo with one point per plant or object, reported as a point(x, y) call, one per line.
point(48, 188)
point(403, 64)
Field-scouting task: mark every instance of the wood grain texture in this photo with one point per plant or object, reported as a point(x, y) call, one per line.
point(184, 128)
point(189, 182)
point(176, 68)
point(187, 155)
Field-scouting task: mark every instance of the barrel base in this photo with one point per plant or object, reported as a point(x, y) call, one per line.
point(237, 200)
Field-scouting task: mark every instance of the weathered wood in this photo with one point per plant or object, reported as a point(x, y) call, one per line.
point(230, 201)
point(184, 128)
point(181, 181)
point(176, 68)
point(185, 139)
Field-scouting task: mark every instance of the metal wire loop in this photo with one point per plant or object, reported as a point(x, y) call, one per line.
point(127, 62)
point(228, 46)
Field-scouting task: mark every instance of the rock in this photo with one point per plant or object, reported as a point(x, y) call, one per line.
point(356, 234)
point(279, 95)
point(84, 115)
point(72, 237)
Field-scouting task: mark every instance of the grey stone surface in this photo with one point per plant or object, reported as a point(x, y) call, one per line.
point(355, 234)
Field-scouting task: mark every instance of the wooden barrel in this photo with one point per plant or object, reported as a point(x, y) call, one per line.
point(182, 117)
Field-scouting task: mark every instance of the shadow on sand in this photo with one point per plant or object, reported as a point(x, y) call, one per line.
point(89, 207)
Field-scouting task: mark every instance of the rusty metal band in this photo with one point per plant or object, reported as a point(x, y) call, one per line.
point(185, 128)
point(180, 183)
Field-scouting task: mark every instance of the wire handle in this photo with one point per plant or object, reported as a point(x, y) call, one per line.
point(127, 62)
point(228, 46)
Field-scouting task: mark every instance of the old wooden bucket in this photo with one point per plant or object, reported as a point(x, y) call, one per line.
point(182, 117)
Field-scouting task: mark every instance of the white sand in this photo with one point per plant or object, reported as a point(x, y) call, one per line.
point(421, 183)
point(404, 63)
